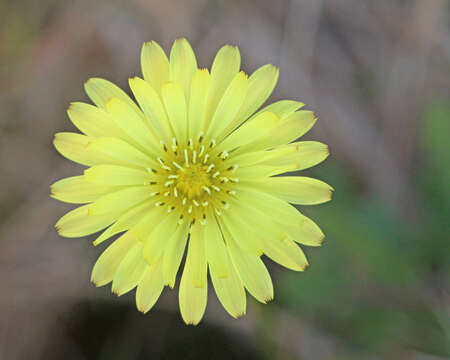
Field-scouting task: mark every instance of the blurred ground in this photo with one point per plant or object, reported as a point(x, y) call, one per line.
point(378, 75)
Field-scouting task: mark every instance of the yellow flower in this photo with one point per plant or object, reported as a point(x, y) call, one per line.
point(191, 166)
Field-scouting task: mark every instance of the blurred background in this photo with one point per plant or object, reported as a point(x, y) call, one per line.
point(378, 75)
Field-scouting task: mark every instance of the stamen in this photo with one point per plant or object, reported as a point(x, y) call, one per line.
point(172, 208)
point(190, 143)
point(200, 137)
point(205, 160)
point(218, 212)
point(207, 189)
point(203, 220)
point(231, 192)
point(175, 192)
point(186, 158)
point(235, 180)
point(184, 201)
point(190, 209)
point(172, 177)
point(225, 204)
point(215, 188)
point(202, 149)
point(160, 203)
point(210, 167)
point(194, 156)
point(164, 166)
point(163, 145)
point(212, 143)
point(177, 165)
point(224, 179)
point(168, 183)
point(155, 193)
point(224, 155)
point(216, 174)
point(151, 170)
point(204, 203)
point(180, 220)
point(152, 182)
point(195, 202)
point(167, 193)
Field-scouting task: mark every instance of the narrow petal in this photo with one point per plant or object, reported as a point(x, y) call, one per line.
point(130, 270)
point(197, 255)
point(157, 238)
point(174, 253)
point(216, 251)
point(153, 108)
point(133, 125)
point(101, 91)
point(116, 175)
point(229, 106)
point(155, 65)
point(253, 273)
point(283, 108)
point(121, 152)
point(150, 287)
point(250, 131)
point(76, 190)
point(285, 252)
point(192, 299)
point(225, 67)
point(298, 189)
point(92, 121)
point(230, 290)
point(120, 200)
point(73, 146)
point(305, 233)
point(197, 102)
point(304, 153)
point(79, 222)
point(260, 85)
point(126, 221)
point(175, 104)
point(108, 262)
point(183, 65)
point(286, 131)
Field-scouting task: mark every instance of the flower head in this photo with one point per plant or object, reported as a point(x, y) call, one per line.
point(191, 165)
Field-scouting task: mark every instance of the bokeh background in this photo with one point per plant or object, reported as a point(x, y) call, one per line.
point(378, 75)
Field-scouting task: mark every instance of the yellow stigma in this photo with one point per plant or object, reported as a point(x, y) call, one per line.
point(192, 180)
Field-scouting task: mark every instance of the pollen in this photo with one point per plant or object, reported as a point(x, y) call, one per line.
point(191, 181)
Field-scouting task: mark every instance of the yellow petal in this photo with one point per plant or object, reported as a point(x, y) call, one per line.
point(154, 64)
point(216, 252)
point(93, 121)
point(197, 255)
point(283, 108)
point(306, 233)
point(225, 67)
point(149, 222)
point(175, 103)
point(286, 131)
point(304, 153)
point(151, 105)
point(297, 189)
point(116, 175)
point(133, 125)
point(174, 253)
point(182, 65)
point(192, 299)
point(121, 152)
point(157, 238)
point(77, 190)
point(73, 146)
point(250, 131)
point(150, 287)
point(260, 85)
point(108, 262)
point(130, 271)
point(79, 222)
point(101, 91)
point(285, 252)
point(126, 221)
point(120, 200)
point(197, 102)
point(253, 273)
point(230, 290)
point(229, 106)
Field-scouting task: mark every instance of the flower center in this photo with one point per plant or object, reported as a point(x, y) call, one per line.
point(193, 179)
